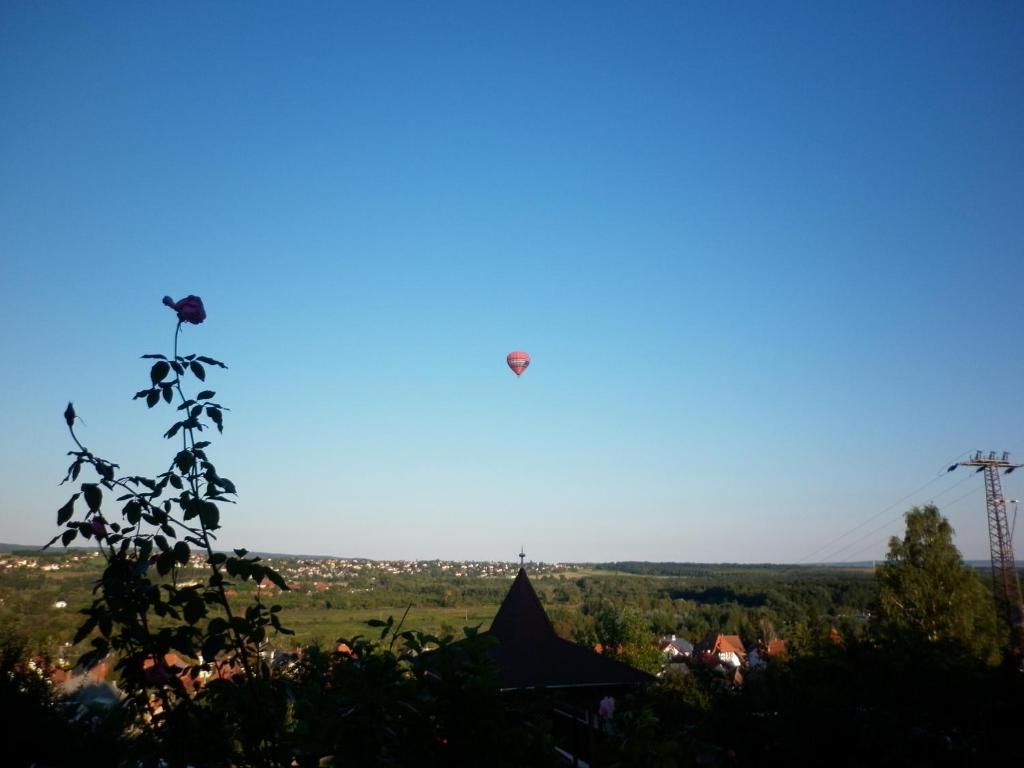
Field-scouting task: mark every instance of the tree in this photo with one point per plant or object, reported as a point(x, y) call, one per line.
point(625, 635)
point(928, 595)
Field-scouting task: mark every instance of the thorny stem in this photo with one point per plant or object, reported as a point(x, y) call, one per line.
point(83, 449)
point(188, 440)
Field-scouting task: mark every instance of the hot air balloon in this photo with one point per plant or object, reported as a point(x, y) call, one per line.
point(518, 362)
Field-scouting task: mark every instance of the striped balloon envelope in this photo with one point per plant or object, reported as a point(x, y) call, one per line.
point(518, 362)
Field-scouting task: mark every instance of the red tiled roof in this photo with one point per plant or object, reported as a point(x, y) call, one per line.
point(775, 647)
point(715, 643)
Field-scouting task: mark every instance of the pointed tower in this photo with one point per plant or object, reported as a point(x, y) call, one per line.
point(530, 655)
point(521, 617)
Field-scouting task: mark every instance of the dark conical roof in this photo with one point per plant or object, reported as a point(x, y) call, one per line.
point(521, 616)
point(530, 655)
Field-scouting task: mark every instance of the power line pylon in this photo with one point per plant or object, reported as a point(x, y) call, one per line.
point(1005, 581)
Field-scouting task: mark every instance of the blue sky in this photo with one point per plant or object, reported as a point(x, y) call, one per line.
point(768, 262)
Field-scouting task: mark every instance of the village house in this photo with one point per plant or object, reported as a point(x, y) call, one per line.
point(721, 649)
point(675, 648)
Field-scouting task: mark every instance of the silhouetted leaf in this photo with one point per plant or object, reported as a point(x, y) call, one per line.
point(181, 552)
point(216, 417)
point(276, 579)
point(164, 563)
point(158, 372)
point(153, 397)
point(211, 361)
point(68, 536)
point(84, 630)
point(178, 368)
point(213, 645)
point(217, 626)
point(184, 461)
point(65, 512)
point(206, 394)
point(132, 511)
point(93, 496)
point(154, 357)
point(209, 515)
point(198, 370)
point(168, 393)
point(276, 623)
point(194, 610)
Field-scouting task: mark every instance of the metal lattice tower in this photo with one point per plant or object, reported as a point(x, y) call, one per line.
point(1005, 581)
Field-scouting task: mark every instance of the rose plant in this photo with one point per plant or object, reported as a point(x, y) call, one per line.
point(143, 611)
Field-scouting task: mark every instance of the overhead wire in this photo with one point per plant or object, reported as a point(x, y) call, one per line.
point(840, 537)
point(860, 525)
point(877, 543)
point(890, 521)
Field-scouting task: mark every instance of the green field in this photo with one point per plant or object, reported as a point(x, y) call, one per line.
point(323, 626)
point(333, 599)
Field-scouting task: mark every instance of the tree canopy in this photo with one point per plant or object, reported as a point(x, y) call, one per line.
point(927, 593)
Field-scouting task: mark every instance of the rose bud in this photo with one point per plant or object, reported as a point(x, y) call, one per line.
point(69, 415)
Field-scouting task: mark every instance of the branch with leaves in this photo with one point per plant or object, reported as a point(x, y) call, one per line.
point(143, 611)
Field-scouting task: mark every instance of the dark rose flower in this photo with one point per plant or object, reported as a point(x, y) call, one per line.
point(98, 527)
point(190, 309)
